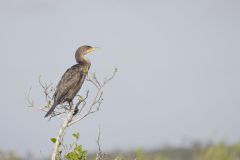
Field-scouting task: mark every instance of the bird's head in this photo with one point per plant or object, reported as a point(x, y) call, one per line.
point(82, 51)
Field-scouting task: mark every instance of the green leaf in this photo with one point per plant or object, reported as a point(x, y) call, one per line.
point(76, 135)
point(79, 97)
point(78, 149)
point(53, 140)
point(77, 154)
point(71, 156)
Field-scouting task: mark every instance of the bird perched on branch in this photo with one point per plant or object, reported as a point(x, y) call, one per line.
point(72, 80)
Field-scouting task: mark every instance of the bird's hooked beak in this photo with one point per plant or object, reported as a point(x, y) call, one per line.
point(92, 49)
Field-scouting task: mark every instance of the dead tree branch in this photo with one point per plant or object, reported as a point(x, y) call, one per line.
point(98, 98)
point(71, 111)
point(100, 155)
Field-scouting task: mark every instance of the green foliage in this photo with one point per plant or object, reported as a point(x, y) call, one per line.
point(139, 154)
point(72, 151)
point(76, 135)
point(77, 154)
point(53, 140)
point(48, 105)
point(119, 158)
point(222, 152)
point(79, 97)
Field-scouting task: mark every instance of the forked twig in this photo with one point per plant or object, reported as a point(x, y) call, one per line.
point(73, 115)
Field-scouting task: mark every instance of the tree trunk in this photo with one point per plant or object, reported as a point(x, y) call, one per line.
point(64, 125)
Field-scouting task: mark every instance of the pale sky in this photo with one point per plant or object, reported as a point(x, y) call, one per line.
point(178, 63)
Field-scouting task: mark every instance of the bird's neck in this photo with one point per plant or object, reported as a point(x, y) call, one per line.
point(84, 60)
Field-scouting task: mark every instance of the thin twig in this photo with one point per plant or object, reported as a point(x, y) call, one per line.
point(100, 154)
point(29, 100)
point(70, 109)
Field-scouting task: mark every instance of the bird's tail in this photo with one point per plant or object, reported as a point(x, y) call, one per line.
point(51, 110)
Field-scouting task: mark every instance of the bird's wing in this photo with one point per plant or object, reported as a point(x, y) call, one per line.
point(69, 80)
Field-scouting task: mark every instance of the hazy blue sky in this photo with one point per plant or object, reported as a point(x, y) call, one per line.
point(178, 61)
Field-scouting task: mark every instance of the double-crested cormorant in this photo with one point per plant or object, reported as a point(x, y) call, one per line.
point(72, 79)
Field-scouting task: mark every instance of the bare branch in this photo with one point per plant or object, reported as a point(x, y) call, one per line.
point(46, 89)
point(92, 81)
point(97, 101)
point(73, 115)
point(29, 100)
point(110, 78)
point(83, 99)
point(100, 154)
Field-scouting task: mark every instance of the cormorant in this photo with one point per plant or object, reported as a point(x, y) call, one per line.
point(72, 80)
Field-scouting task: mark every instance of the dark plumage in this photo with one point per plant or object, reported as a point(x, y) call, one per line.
point(72, 80)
